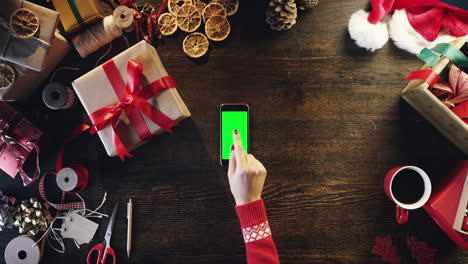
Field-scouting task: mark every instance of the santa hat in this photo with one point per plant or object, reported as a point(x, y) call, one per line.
point(416, 24)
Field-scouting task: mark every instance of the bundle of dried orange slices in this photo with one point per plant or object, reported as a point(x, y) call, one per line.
point(189, 15)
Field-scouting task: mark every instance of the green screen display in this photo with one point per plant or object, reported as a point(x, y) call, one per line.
point(233, 120)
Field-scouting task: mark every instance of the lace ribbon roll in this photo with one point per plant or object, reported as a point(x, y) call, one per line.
point(97, 36)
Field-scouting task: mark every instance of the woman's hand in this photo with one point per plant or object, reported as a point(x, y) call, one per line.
point(246, 174)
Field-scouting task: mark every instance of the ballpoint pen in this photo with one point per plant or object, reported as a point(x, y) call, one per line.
point(129, 226)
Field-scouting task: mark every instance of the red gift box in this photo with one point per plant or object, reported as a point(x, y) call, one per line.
point(448, 198)
point(18, 138)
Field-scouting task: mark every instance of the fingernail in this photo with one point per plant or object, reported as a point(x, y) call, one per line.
point(232, 148)
point(235, 131)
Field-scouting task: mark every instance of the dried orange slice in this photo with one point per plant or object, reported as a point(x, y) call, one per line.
point(188, 18)
point(217, 28)
point(213, 9)
point(7, 76)
point(167, 24)
point(195, 45)
point(231, 6)
point(200, 5)
point(174, 5)
point(24, 23)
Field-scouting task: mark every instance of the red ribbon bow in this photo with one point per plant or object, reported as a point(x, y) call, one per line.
point(132, 101)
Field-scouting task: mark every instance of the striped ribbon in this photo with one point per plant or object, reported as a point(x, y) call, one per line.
point(59, 206)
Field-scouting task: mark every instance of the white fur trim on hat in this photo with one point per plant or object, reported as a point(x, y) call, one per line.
point(365, 34)
point(406, 38)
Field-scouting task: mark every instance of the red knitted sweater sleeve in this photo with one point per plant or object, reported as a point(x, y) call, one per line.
point(259, 245)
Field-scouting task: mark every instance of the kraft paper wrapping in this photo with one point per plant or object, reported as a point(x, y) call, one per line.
point(29, 53)
point(75, 14)
point(28, 80)
point(95, 92)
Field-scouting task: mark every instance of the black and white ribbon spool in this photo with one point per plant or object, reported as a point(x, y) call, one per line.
point(22, 250)
point(58, 96)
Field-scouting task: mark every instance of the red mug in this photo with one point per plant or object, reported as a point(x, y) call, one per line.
point(396, 180)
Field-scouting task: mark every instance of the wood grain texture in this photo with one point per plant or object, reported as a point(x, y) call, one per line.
point(327, 121)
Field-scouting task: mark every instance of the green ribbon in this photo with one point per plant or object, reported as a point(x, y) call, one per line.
point(429, 57)
point(457, 57)
point(453, 54)
point(76, 12)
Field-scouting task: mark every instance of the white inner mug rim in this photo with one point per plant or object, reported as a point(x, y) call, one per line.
point(427, 188)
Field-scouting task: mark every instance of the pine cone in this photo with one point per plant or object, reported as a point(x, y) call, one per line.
point(304, 4)
point(281, 14)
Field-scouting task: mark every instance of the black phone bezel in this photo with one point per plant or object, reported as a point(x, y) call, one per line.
point(231, 107)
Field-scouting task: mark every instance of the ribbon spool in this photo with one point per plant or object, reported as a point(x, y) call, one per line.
point(58, 96)
point(22, 250)
point(72, 179)
point(123, 18)
point(97, 36)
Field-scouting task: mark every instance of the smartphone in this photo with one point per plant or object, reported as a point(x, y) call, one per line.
point(233, 116)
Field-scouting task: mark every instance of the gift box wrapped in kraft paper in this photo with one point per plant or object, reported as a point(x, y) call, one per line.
point(27, 80)
point(18, 138)
point(28, 52)
point(76, 14)
point(130, 98)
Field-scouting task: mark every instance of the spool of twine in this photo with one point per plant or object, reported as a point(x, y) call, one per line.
point(123, 18)
point(96, 36)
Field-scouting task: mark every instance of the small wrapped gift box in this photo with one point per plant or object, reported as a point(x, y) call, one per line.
point(30, 52)
point(112, 92)
point(26, 80)
point(448, 204)
point(76, 14)
point(417, 93)
point(18, 138)
point(460, 223)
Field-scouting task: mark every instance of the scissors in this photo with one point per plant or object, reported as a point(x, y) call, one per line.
point(104, 249)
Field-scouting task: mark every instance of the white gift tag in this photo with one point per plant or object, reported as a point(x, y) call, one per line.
point(78, 227)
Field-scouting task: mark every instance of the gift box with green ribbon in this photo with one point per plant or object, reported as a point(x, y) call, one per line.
point(430, 93)
point(76, 14)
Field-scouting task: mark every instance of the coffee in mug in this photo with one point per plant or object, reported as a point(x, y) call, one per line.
point(409, 187)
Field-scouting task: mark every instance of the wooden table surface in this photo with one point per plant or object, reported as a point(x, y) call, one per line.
point(327, 121)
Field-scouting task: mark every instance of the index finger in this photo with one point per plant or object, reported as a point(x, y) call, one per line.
point(238, 149)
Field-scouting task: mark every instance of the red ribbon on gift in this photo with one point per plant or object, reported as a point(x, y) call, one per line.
point(132, 101)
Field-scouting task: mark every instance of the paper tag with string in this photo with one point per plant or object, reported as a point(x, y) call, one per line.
point(79, 228)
